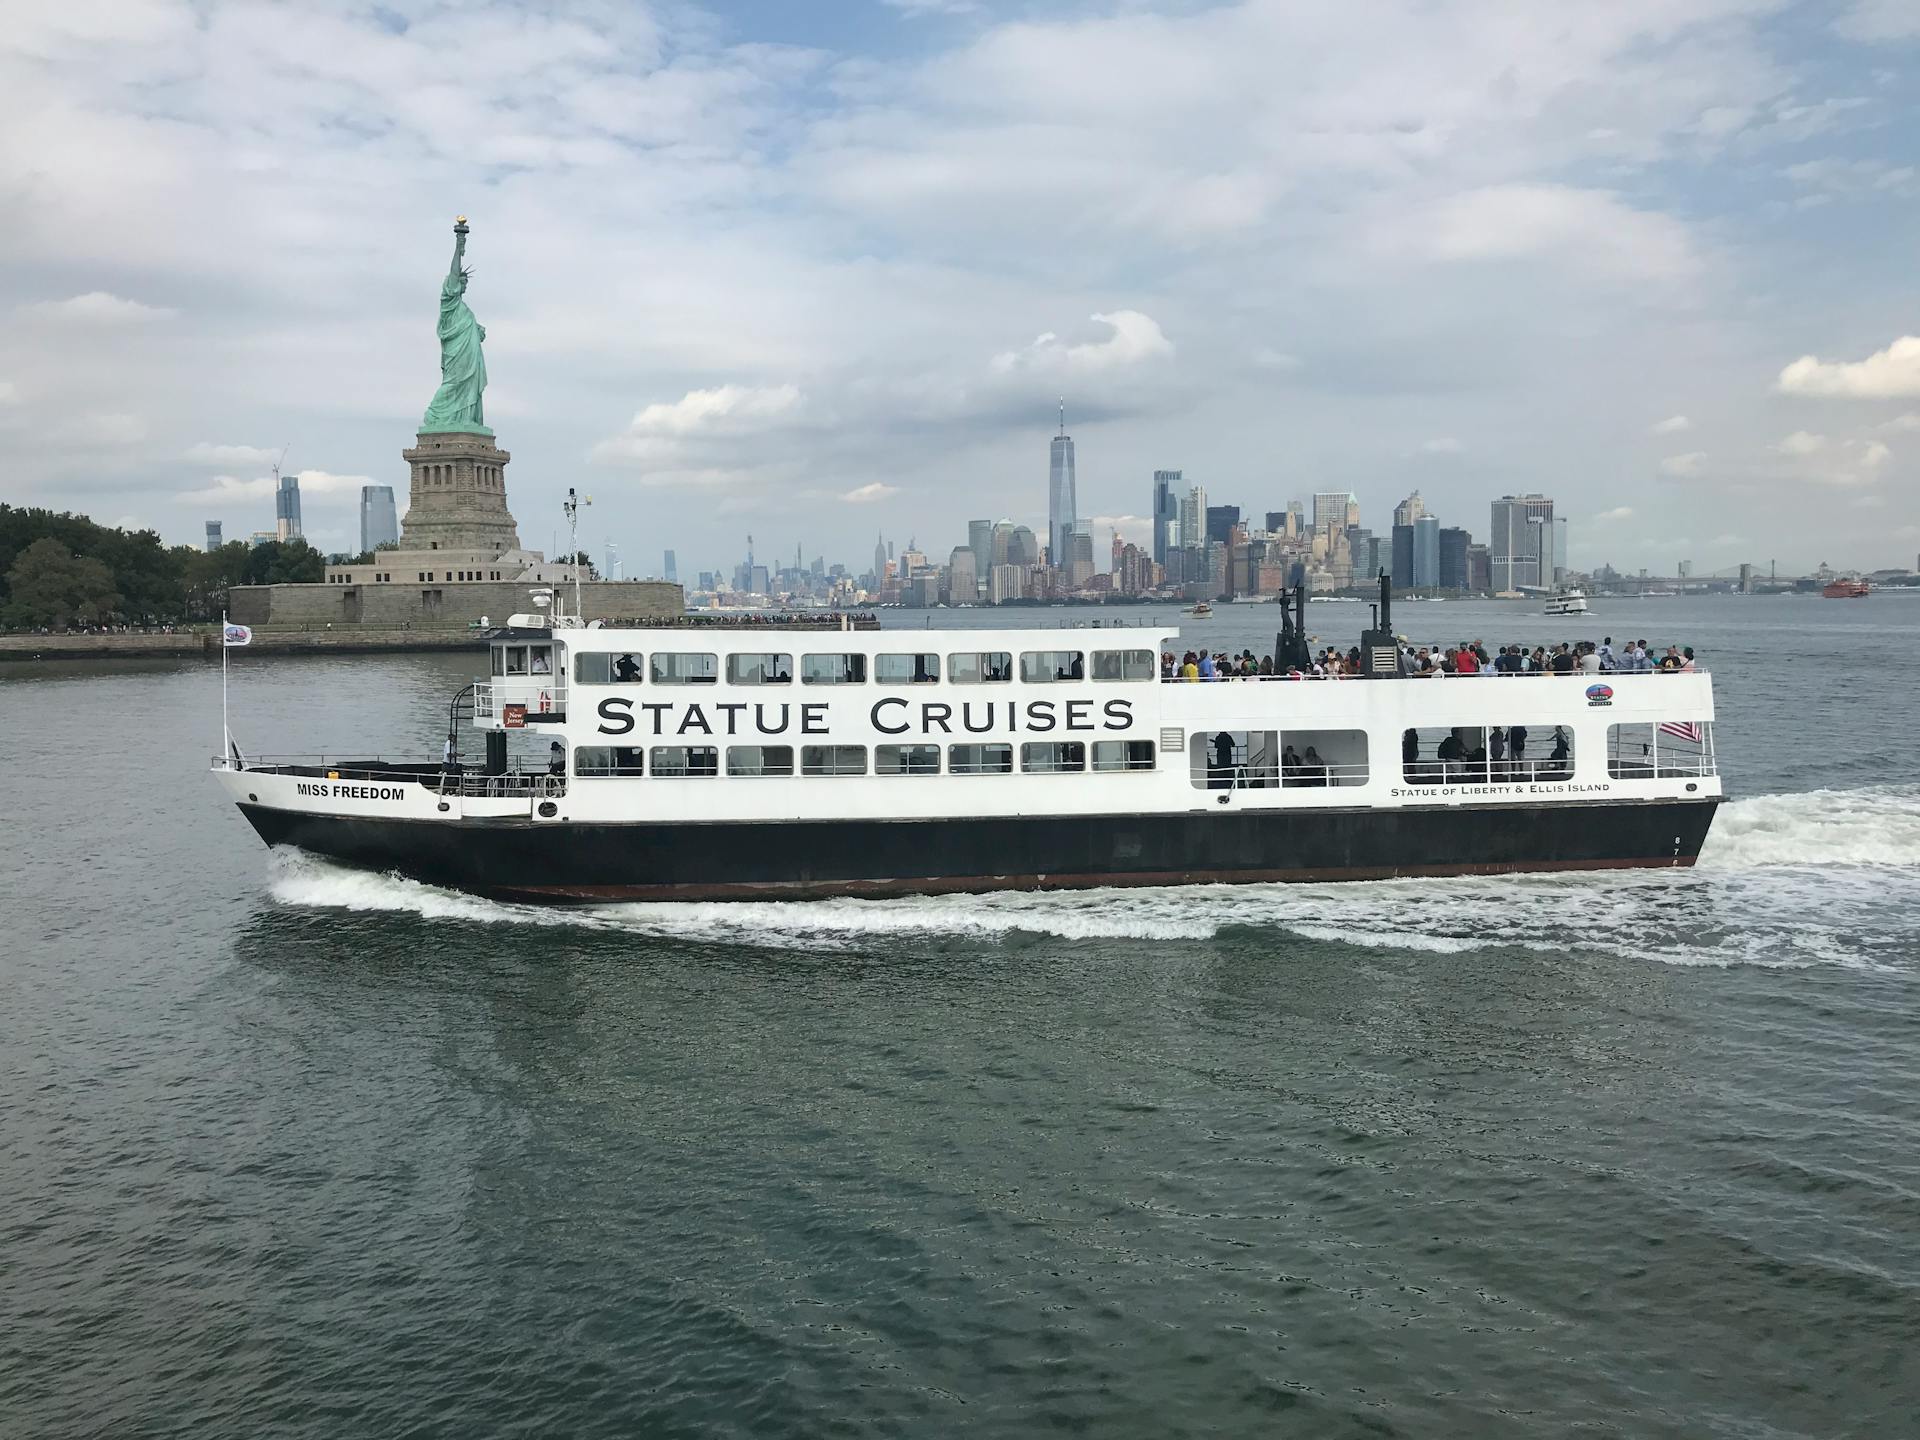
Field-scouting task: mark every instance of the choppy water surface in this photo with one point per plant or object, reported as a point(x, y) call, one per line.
point(290, 1149)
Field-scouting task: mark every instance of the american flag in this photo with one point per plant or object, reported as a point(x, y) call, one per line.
point(1680, 729)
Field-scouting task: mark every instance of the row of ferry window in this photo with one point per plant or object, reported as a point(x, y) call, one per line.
point(966, 667)
point(1037, 757)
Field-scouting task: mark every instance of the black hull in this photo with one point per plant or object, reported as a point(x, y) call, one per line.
point(810, 859)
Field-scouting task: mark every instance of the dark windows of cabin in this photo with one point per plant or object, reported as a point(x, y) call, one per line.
point(1123, 755)
point(1486, 754)
point(684, 667)
point(906, 759)
point(1265, 759)
point(759, 760)
point(523, 659)
point(760, 669)
point(684, 760)
point(833, 669)
point(1053, 757)
point(1046, 667)
point(604, 761)
point(1125, 665)
point(906, 669)
point(979, 667)
point(833, 759)
point(617, 667)
point(980, 759)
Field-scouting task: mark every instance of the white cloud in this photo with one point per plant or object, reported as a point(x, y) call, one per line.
point(867, 494)
point(206, 453)
point(1871, 20)
point(913, 8)
point(722, 408)
point(1873, 453)
point(1685, 467)
point(1901, 424)
point(1884, 375)
point(1268, 358)
point(261, 487)
point(1442, 445)
point(1132, 339)
point(1619, 512)
point(97, 307)
point(1594, 230)
point(1135, 529)
point(1673, 425)
point(1802, 443)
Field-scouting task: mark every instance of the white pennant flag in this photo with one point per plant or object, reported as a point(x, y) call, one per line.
point(237, 635)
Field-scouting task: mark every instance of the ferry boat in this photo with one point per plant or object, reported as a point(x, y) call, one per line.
point(1568, 602)
point(1202, 611)
point(786, 763)
point(1847, 590)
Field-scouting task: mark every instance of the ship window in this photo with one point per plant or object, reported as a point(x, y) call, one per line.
point(541, 659)
point(759, 760)
point(516, 659)
point(1044, 667)
point(1053, 757)
point(1652, 752)
point(1123, 755)
point(759, 669)
point(833, 759)
point(1319, 758)
point(906, 759)
point(601, 667)
point(979, 759)
point(906, 669)
point(979, 667)
point(684, 667)
point(833, 669)
point(602, 761)
point(1125, 665)
point(499, 655)
point(1234, 759)
point(685, 760)
point(1486, 755)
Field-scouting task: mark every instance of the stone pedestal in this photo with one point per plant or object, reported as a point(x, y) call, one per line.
point(458, 498)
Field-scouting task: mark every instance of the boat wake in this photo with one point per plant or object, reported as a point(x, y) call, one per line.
point(1818, 878)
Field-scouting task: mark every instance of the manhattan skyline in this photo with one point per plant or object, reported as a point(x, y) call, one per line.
point(821, 274)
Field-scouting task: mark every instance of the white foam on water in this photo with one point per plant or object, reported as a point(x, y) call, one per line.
point(1823, 878)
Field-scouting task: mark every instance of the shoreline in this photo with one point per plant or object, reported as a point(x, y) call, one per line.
point(29, 650)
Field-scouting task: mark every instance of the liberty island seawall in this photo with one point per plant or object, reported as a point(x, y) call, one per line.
point(300, 1151)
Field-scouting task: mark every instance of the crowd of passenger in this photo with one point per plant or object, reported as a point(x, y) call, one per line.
point(1469, 657)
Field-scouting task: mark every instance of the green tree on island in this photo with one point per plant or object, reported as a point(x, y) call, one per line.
point(48, 585)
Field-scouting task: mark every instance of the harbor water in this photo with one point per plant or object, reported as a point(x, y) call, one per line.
point(294, 1150)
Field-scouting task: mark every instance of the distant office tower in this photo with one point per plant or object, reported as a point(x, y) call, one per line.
point(1401, 559)
point(1166, 514)
point(1334, 510)
point(1560, 564)
point(1522, 541)
point(1454, 543)
point(213, 535)
point(672, 568)
point(980, 541)
point(1193, 518)
point(963, 576)
point(1004, 583)
point(1002, 537)
point(1426, 552)
point(1360, 553)
point(1409, 510)
point(378, 523)
point(879, 559)
point(1479, 569)
point(1060, 498)
point(1023, 548)
point(1221, 520)
point(1077, 568)
point(286, 508)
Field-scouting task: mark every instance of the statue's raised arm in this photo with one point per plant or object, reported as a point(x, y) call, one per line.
point(456, 404)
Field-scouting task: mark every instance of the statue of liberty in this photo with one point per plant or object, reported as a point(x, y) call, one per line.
point(463, 369)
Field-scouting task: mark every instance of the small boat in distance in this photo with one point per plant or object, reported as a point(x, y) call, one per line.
point(1201, 611)
point(1568, 602)
point(1847, 590)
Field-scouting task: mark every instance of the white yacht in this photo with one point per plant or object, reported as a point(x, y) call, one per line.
point(1571, 601)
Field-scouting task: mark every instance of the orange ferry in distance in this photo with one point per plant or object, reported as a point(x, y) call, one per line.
point(1848, 590)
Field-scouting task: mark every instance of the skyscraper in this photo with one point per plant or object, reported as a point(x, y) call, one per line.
point(963, 578)
point(1426, 552)
point(1193, 518)
point(1454, 544)
point(1334, 510)
point(980, 541)
point(1166, 514)
point(286, 508)
point(379, 525)
point(1221, 520)
point(1023, 548)
point(213, 535)
point(1409, 509)
point(672, 567)
point(1060, 499)
point(1522, 542)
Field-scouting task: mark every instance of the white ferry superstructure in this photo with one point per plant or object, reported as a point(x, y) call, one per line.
point(759, 762)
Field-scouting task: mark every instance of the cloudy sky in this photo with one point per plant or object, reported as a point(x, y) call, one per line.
point(817, 271)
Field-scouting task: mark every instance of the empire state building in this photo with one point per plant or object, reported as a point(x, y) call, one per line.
point(1061, 511)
